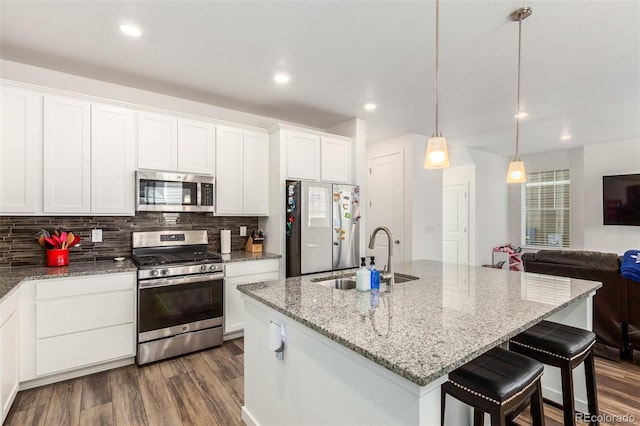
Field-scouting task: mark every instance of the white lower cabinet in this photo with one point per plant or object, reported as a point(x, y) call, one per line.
point(236, 273)
point(77, 322)
point(9, 346)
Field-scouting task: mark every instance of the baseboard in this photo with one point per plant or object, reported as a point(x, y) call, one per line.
point(247, 417)
point(556, 396)
point(233, 335)
point(54, 378)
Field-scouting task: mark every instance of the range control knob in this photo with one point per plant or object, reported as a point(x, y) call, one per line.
point(154, 272)
point(213, 268)
point(203, 268)
point(164, 272)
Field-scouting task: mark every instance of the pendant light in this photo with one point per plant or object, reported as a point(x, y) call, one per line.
point(516, 172)
point(437, 156)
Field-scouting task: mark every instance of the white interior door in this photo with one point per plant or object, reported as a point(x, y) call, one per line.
point(386, 206)
point(455, 224)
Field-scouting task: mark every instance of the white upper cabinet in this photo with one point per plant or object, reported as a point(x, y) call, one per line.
point(112, 159)
point(318, 157)
point(176, 144)
point(256, 173)
point(195, 147)
point(157, 141)
point(229, 170)
point(303, 156)
point(67, 155)
point(242, 172)
point(20, 150)
point(335, 160)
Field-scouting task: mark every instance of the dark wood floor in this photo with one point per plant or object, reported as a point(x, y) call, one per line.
point(206, 388)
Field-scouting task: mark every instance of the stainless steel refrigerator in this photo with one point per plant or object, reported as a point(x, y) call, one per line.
point(322, 227)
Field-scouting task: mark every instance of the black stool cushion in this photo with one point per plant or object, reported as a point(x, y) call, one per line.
point(497, 374)
point(558, 339)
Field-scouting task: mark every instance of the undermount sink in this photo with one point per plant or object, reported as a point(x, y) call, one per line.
point(349, 282)
point(339, 283)
point(400, 278)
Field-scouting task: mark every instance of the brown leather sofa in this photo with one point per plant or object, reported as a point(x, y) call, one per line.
point(616, 306)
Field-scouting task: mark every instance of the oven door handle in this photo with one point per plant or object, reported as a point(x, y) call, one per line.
point(164, 282)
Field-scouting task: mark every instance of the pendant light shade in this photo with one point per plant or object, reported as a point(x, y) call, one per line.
point(516, 172)
point(437, 156)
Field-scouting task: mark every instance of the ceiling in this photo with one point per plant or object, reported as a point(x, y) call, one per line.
point(580, 62)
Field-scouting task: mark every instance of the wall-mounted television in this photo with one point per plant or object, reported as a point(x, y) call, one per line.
point(621, 200)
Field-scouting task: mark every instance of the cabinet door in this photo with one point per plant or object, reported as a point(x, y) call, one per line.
point(112, 159)
point(67, 155)
point(20, 150)
point(157, 141)
point(8, 356)
point(195, 147)
point(303, 156)
point(335, 160)
point(256, 173)
point(229, 171)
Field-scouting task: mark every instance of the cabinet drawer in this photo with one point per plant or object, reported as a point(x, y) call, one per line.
point(72, 314)
point(61, 353)
point(76, 286)
point(251, 267)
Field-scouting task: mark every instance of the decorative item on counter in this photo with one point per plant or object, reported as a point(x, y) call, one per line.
point(57, 244)
point(510, 258)
point(254, 243)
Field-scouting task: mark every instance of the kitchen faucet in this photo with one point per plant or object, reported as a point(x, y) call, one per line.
point(372, 242)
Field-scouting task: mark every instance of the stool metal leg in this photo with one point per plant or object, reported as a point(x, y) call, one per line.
point(592, 391)
point(568, 404)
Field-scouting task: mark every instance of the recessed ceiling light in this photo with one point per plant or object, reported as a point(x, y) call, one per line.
point(281, 78)
point(370, 106)
point(565, 137)
point(130, 30)
point(521, 114)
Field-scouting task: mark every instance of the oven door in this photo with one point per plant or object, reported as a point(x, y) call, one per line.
point(170, 306)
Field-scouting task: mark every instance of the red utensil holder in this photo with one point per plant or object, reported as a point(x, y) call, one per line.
point(57, 257)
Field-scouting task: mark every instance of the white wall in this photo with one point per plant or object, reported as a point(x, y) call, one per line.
point(612, 158)
point(491, 203)
point(588, 164)
point(572, 159)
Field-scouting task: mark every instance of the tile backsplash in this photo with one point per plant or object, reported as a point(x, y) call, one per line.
point(18, 247)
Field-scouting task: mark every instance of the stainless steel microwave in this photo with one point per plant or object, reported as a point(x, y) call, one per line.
point(174, 192)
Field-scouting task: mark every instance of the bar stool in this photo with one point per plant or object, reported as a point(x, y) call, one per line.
point(564, 347)
point(496, 383)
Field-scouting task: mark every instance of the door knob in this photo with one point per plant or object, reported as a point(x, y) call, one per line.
point(397, 241)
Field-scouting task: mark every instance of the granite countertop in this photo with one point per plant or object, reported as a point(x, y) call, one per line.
point(10, 278)
point(241, 256)
point(423, 329)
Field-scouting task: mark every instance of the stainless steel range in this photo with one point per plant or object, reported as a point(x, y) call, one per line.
point(180, 294)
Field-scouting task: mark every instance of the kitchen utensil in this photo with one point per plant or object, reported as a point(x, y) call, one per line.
point(41, 241)
point(52, 242)
point(69, 240)
point(76, 241)
point(63, 239)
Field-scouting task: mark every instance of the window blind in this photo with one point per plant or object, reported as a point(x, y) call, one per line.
point(546, 209)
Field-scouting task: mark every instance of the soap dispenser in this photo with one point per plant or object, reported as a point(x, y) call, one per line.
point(375, 275)
point(363, 276)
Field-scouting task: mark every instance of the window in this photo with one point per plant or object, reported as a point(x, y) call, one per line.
point(546, 209)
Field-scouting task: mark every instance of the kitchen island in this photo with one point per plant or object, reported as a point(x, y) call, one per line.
point(363, 358)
